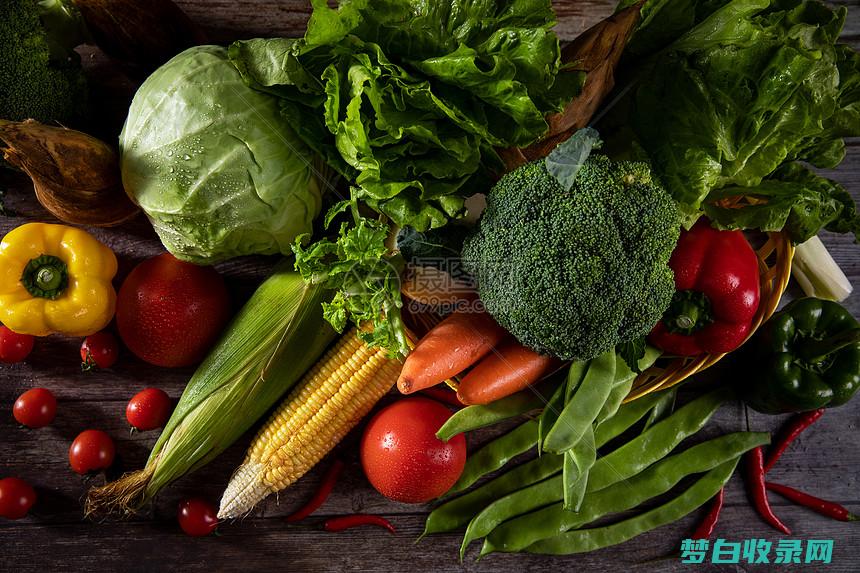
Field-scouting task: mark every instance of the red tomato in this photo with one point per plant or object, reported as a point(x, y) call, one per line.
point(149, 409)
point(14, 347)
point(169, 312)
point(403, 458)
point(92, 451)
point(35, 408)
point(99, 350)
point(197, 517)
point(16, 498)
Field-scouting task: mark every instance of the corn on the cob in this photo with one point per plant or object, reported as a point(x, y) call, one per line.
point(273, 341)
point(331, 399)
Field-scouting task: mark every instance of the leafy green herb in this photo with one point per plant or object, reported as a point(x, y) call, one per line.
point(358, 265)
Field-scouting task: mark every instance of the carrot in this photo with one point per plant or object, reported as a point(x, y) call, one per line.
point(510, 368)
point(450, 347)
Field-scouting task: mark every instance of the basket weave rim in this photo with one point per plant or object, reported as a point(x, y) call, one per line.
point(774, 280)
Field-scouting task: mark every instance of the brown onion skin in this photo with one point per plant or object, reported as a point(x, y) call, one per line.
point(76, 176)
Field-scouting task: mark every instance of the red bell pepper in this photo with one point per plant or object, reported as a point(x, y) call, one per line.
point(717, 293)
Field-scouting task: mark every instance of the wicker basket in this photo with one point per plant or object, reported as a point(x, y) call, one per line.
point(774, 259)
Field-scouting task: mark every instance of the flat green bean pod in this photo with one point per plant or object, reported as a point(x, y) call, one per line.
point(663, 408)
point(537, 495)
point(519, 533)
point(552, 409)
point(496, 454)
point(624, 378)
point(575, 374)
point(627, 415)
point(583, 455)
point(623, 463)
point(656, 442)
point(459, 511)
point(583, 406)
point(475, 417)
point(585, 540)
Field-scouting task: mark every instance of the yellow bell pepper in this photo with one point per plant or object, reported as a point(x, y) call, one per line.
point(55, 279)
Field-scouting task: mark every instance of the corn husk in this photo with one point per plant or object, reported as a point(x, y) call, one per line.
point(276, 337)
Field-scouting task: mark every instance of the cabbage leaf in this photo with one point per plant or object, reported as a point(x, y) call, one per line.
point(214, 165)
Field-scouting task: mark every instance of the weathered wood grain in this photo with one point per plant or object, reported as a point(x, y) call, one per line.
point(825, 460)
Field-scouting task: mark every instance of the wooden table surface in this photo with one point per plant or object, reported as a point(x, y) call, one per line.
point(825, 461)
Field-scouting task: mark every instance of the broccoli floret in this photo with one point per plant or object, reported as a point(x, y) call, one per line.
point(574, 273)
point(39, 70)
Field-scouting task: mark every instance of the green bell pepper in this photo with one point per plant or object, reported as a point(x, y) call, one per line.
point(807, 356)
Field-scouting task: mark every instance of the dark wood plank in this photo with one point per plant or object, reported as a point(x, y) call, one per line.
point(824, 460)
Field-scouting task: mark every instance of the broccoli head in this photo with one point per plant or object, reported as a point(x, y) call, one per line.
point(39, 69)
point(575, 272)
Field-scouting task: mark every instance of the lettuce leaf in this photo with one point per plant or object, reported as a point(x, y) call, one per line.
point(410, 99)
point(793, 199)
point(751, 86)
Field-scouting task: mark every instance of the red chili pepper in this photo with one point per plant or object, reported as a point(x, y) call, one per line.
point(442, 395)
point(717, 293)
point(793, 428)
point(757, 491)
point(336, 524)
point(706, 527)
point(822, 506)
point(326, 485)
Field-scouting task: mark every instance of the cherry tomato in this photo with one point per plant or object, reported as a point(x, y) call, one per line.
point(16, 498)
point(170, 313)
point(14, 347)
point(149, 409)
point(35, 408)
point(197, 517)
point(402, 457)
point(92, 451)
point(99, 350)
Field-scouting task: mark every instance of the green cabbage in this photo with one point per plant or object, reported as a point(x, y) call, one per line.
point(213, 163)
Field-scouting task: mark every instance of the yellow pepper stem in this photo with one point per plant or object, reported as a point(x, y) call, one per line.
point(45, 276)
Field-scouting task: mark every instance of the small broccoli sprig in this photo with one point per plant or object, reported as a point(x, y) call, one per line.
point(365, 276)
point(573, 266)
point(39, 69)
